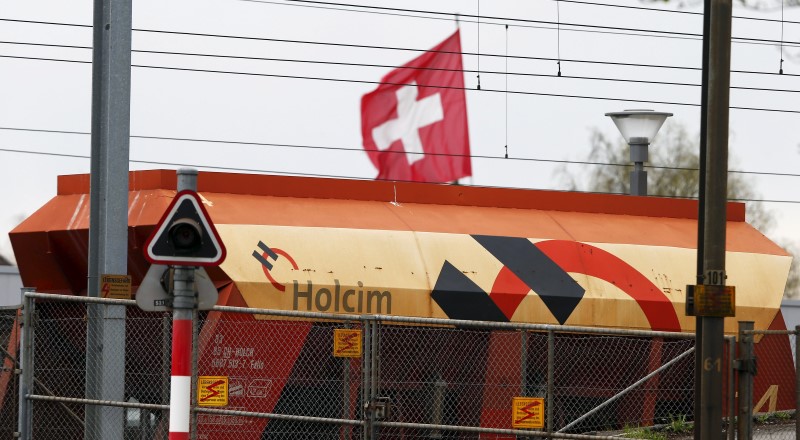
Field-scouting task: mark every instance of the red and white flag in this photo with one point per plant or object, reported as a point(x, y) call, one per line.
point(414, 125)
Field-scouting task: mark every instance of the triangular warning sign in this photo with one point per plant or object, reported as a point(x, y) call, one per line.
point(185, 236)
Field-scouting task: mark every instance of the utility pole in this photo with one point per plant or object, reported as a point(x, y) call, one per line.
point(108, 221)
point(716, 189)
point(701, 215)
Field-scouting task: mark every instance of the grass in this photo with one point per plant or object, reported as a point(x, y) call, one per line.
point(776, 417)
point(783, 415)
point(643, 433)
point(679, 425)
point(762, 418)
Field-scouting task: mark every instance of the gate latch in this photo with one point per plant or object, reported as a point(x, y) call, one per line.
point(379, 407)
point(746, 365)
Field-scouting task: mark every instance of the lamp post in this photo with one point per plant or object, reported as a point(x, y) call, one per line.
point(639, 128)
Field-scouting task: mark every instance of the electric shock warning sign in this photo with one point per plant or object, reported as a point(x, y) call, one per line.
point(527, 412)
point(212, 390)
point(346, 343)
point(115, 286)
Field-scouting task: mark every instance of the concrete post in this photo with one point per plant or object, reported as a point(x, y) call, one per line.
point(108, 222)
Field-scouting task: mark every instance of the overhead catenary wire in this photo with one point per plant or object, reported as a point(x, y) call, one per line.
point(353, 64)
point(478, 57)
point(517, 25)
point(419, 50)
point(500, 21)
point(585, 3)
point(361, 150)
point(671, 11)
point(558, 37)
point(181, 164)
point(335, 176)
point(363, 64)
point(510, 19)
point(639, 8)
point(505, 115)
point(356, 81)
point(780, 69)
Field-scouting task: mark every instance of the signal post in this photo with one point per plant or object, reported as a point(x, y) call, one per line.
point(184, 238)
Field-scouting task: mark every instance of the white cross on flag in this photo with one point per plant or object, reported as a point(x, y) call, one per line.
point(414, 125)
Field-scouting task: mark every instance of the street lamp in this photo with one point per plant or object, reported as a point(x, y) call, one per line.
point(638, 127)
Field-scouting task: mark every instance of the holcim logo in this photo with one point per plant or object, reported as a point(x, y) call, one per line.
point(265, 255)
point(323, 299)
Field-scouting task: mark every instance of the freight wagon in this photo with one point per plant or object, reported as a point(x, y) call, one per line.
point(417, 250)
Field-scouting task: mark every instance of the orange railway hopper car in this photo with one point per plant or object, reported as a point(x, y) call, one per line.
point(423, 250)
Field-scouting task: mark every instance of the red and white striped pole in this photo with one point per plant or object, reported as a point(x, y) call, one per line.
point(183, 304)
point(180, 395)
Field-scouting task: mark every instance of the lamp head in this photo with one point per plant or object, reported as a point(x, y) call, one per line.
point(638, 124)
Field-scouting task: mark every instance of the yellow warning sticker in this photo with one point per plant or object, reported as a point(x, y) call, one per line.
point(115, 286)
point(715, 300)
point(212, 390)
point(527, 412)
point(346, 343)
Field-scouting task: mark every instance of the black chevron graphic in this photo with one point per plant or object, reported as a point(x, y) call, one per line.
point(559, 291)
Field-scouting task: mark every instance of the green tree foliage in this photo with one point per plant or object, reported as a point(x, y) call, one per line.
point(674, 159)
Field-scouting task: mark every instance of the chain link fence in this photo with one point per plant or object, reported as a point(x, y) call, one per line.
point(9, 380)
point(287, 375)
point(58, 404)
point(769, 410)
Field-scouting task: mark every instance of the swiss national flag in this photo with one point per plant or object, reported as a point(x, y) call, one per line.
point(414, 124)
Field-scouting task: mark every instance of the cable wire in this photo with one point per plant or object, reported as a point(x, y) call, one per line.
point(363, 46)
point(361, 150)
point(355, 81)
point(588, 3)
point(335, 176)
point(517, 20)
point(272, 2)
point(387, 66)
point(502, 20)
point(405, 49)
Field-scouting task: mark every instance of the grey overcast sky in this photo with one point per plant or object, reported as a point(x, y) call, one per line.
point(258, 108)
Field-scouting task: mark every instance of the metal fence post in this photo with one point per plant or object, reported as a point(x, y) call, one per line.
point(166, 358)
point(523, 362)
point(731, 387)
point(374, 387)
point(550, 398)
point(746, 368)
point(366, 392)
point(25, 414)
point(195, 350)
